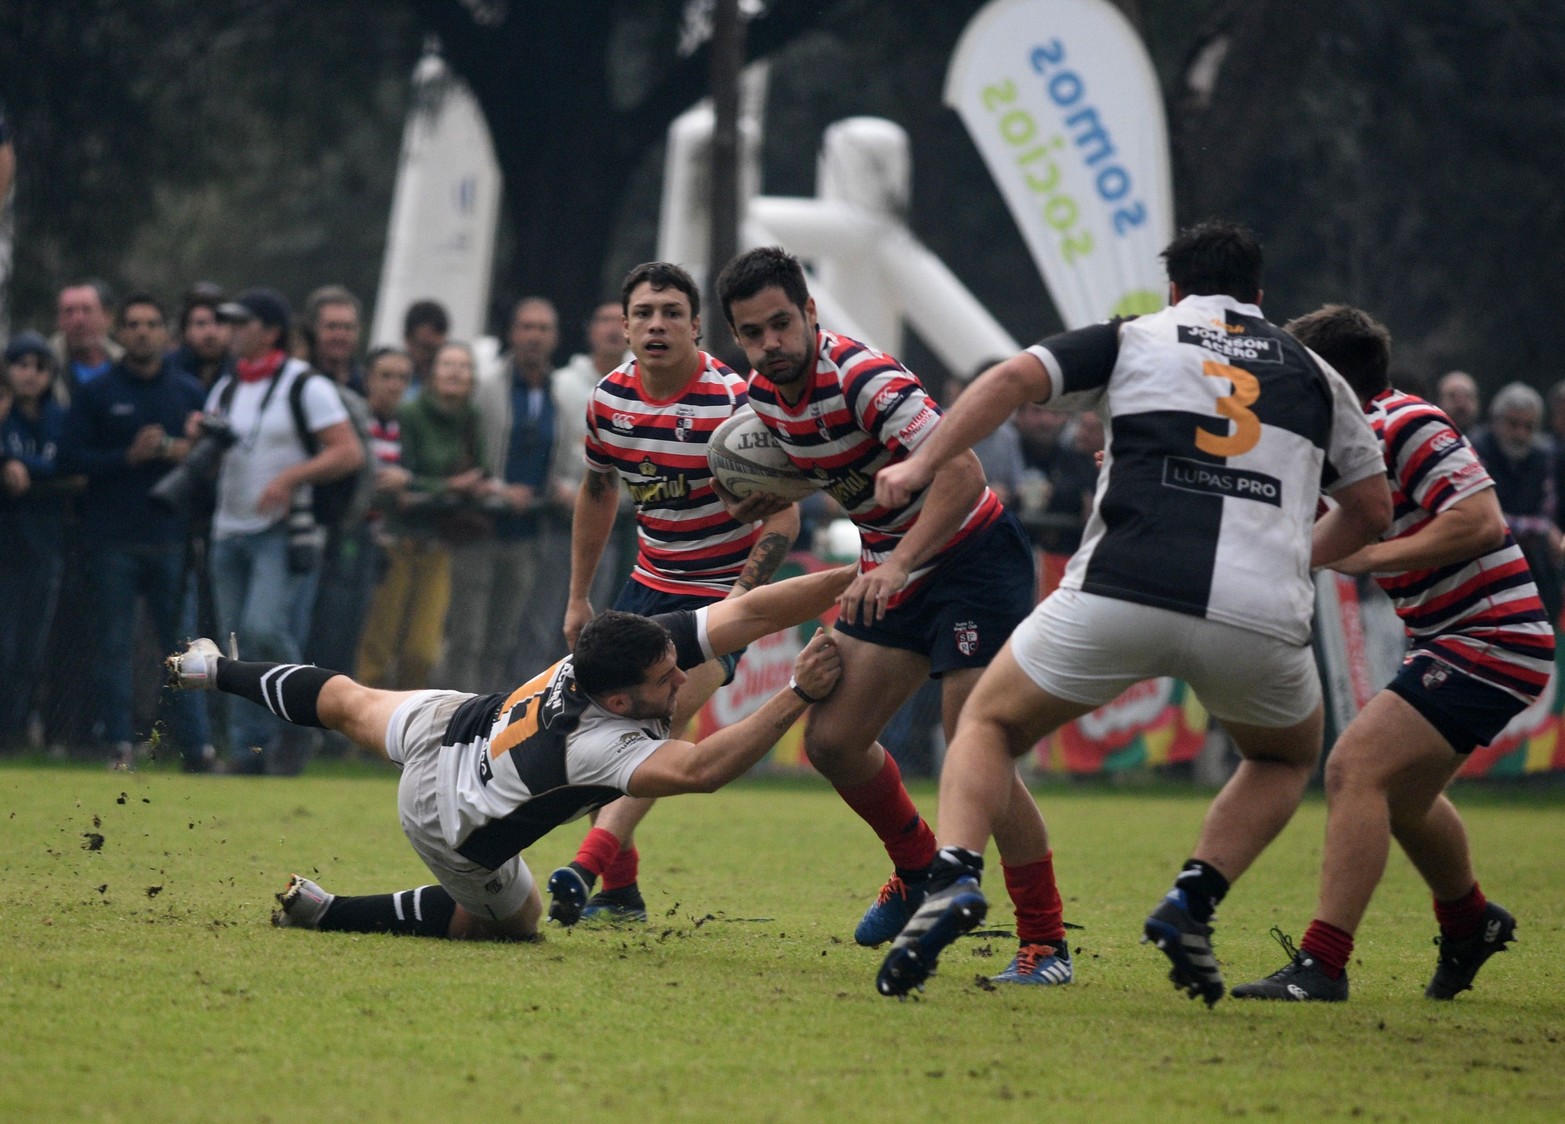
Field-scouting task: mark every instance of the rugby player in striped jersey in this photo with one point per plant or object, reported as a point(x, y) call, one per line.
point(1481, 650)
point(648, 423)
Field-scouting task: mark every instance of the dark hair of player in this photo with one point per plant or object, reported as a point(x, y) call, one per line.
point(660, 275)
point(1352, 341)
point(1215, 258)
point(757, 269)
point(614, 651)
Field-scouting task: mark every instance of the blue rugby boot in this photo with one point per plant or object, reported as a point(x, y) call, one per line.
point(1188, 945)
point(889, 913)
point(1041, 965)
point(944, 916)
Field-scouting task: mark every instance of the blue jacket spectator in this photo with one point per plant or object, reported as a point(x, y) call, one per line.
point(31, 524)
point(125, 431)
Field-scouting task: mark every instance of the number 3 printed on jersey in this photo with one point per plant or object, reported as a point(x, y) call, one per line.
point(1236, 408)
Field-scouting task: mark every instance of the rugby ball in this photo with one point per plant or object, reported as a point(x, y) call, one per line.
point(745, 458)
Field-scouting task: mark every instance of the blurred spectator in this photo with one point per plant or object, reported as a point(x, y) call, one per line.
point(1557, 412)
point(1457, 396)
point(82, 344)
point(265, 547)
point(355, 554)
point(31, 515)
point(1000, 453)
point(203, 336)
point(1521, 461)
point(331, 333)
point(425, 327)
point(607, 348)
point(1053, 478)
point(495, 610)
point(442, 447)
point(124, 432)
point(385, 383)
point(348, 566)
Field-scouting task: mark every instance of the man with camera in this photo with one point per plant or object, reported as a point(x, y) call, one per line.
point(266, 548)
point(123, 432)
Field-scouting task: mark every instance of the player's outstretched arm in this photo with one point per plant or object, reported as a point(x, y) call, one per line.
point(737, 621)
point(983, 408)
point(676, 767)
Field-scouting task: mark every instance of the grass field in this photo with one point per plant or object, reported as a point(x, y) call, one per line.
point(140, 980)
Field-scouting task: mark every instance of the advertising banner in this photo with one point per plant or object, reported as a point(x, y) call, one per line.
point(1062, 101)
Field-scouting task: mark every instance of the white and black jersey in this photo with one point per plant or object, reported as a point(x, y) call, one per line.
point(1221, 431)
point(514, 767)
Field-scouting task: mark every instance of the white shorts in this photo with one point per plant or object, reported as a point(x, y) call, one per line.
point(413, 741)
point(1088, 648)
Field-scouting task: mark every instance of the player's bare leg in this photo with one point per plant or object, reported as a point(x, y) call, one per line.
point(1250, 811)
point(981, 795)
point(841, 740)
point(1262, 795)
point(1389, 756)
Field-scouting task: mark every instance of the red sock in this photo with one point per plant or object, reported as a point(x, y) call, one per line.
point(1040, 917)
point(883, 803)
point(622, 871)
point(597, 850)
point(1460, 918)
point(1330, 946)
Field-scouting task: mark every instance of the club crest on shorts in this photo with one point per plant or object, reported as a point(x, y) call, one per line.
point(1435, 675)
point(966, 637)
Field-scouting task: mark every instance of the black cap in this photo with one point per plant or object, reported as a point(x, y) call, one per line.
point(266, 305)
point(29, 343)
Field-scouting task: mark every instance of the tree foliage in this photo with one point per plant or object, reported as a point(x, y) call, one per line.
point(1404, 155)
point(244, 141)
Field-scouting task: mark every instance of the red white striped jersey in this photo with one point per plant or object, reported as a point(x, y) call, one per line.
point(862, 411)
point(1482, 616)
point(688, 541)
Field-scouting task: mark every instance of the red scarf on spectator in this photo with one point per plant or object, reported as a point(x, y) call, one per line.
point(254, 370)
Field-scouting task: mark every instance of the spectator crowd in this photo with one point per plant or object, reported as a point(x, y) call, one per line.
point(230, 468)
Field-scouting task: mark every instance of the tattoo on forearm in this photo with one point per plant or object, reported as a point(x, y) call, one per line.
point(764, 559)
point(600, 484)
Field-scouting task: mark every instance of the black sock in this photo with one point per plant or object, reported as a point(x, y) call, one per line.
point(288, 690)
point(1204, 887)
point(424, 912)
point(952, 863)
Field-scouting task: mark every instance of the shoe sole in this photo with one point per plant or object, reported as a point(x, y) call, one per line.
point(908, 966)
point(1185, 974)
point(563, 911)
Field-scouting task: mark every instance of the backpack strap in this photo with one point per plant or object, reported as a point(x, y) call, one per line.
point(301, 425)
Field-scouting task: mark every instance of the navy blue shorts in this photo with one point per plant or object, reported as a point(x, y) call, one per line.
point(966, 609)
point(645, 601)
point(1466, 711)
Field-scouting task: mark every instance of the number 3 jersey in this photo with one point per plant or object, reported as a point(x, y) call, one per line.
point(1220, 432)
point(514, 767)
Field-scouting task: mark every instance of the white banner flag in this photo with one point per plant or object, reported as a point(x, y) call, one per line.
point(440, 245)
point(1062, 102)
